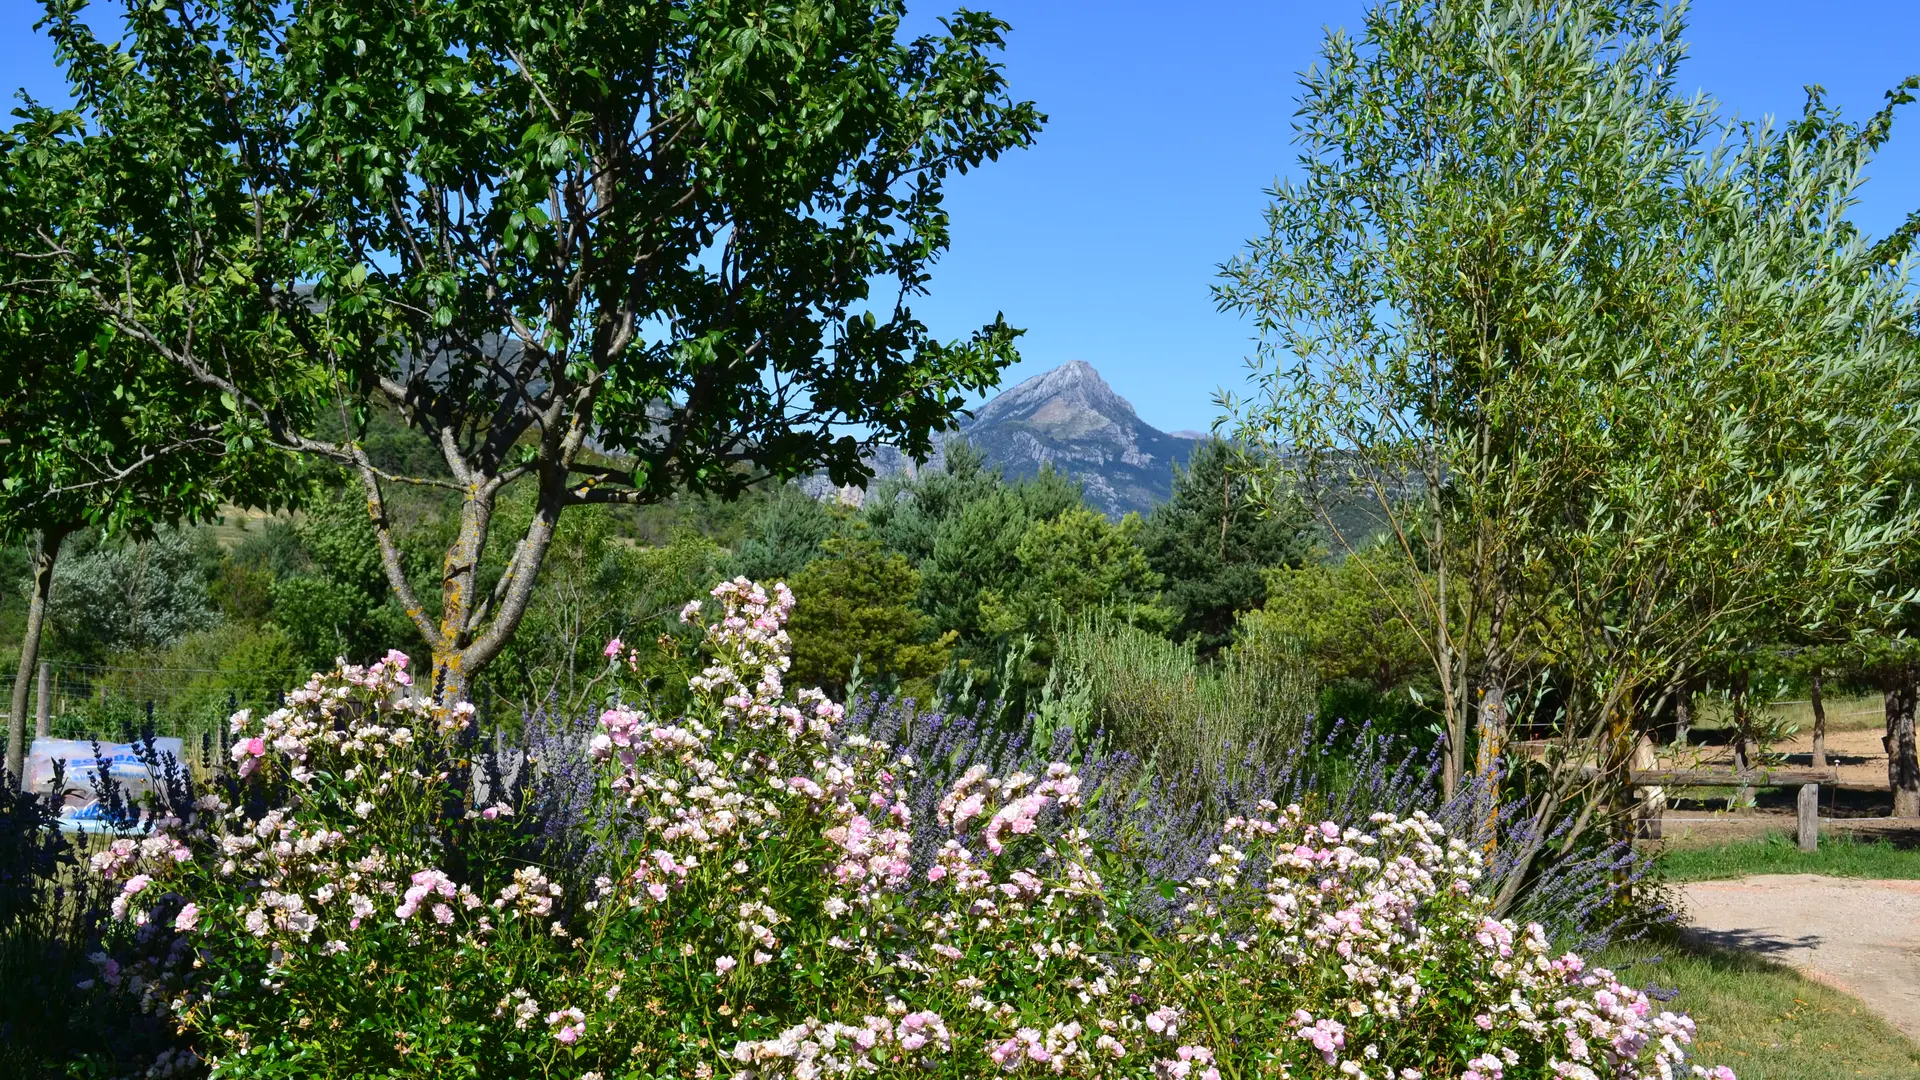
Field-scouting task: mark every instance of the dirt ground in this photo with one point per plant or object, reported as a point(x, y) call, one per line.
point(1859, 936)
point(1857, 807)
point(1697, 828)
point(1855, 754)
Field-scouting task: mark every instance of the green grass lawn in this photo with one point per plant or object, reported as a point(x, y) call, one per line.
point(1778, 854)
point(1764, 1020)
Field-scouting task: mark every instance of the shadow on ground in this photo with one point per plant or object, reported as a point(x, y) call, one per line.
point(1747, 943)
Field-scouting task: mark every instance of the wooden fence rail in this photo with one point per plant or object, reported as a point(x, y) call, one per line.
point(1651, 783)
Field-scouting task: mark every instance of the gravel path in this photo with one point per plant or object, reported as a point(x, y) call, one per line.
point(1860, 936)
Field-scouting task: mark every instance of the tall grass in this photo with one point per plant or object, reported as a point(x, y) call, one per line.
point(1156, 700)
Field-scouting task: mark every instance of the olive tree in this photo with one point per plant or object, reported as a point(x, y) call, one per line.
point(607, 250)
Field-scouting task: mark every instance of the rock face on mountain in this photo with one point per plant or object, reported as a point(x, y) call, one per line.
point(1071, 419)
point(1068, 418)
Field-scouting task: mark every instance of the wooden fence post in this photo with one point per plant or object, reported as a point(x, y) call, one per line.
point(43, 709)
point(1651, 798)
point(1809, 817)
point(1650, 807)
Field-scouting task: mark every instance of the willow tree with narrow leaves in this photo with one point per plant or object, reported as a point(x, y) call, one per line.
point(1615, 372)
point(609, 250)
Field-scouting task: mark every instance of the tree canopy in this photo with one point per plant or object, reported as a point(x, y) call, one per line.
point(1616, 370)
point(611, 250)
point(96, 430)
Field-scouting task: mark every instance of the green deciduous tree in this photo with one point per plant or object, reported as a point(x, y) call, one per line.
point(1615, 382)
point(96, 429)
point(1212, 545)
point(612, 251)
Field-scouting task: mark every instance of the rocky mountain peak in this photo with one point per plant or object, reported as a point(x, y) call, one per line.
point(1070, 419)
point(1056, 395)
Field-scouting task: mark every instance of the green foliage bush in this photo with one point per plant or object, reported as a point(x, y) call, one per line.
point(114, 595)
point(1350, 619)
point(1071, 564)
point(856, 612)
point(1154, 698)
point(325, 617)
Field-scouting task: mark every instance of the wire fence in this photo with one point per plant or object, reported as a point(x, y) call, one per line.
point(117, 703)
point(113, 704)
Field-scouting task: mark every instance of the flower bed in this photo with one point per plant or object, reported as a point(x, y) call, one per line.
point(750, 904)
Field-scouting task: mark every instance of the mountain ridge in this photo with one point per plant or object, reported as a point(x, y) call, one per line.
point(1069, 418)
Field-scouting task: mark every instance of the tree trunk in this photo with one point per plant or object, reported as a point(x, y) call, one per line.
point(1819, 722)
point(472, 629)
point(453, 670)
point(1683, 717)
point(1903, 766)
point(1492, 746)
point(1743, 747)
point(45, 553)
point(1493, 727)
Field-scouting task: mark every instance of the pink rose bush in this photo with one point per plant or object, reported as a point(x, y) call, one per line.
point(759, 902)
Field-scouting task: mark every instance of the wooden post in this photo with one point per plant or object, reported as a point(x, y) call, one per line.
point(1650, 810)
point(43, 708)
point(1651, 798)
point(1809, 817)
point(1817, 700)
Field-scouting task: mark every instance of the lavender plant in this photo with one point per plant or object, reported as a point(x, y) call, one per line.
point(69, 975)
point(1152, 825)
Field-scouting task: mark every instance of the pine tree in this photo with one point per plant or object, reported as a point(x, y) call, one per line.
point(1212, 544)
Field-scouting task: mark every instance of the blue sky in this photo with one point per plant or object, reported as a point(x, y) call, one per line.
point(1169, 121)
